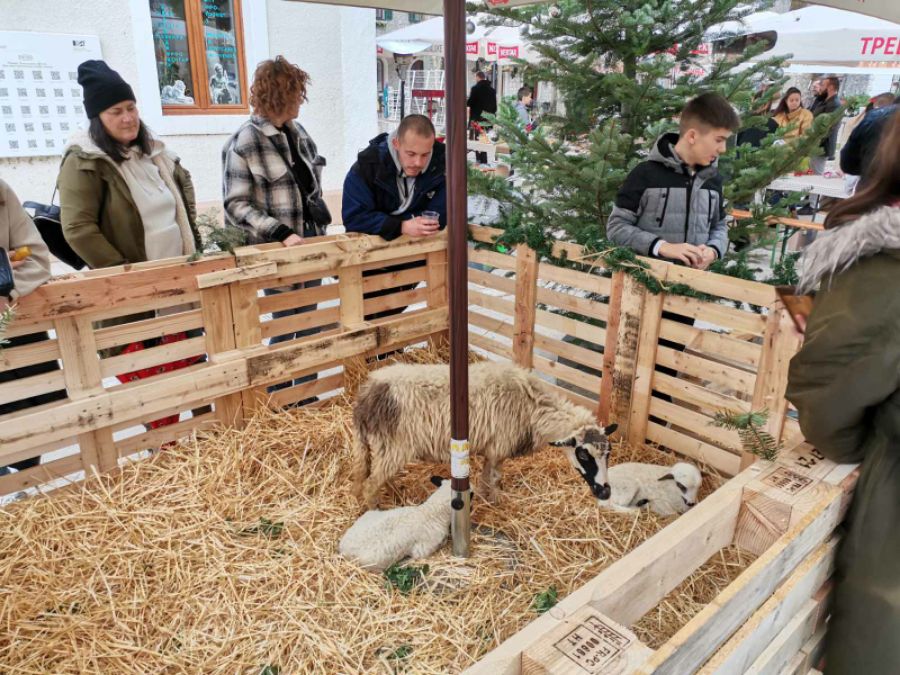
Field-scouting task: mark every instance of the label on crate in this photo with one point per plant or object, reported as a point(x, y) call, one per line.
point(788, 481)
point(593, 644)
point(808, 461)
point(459, 458)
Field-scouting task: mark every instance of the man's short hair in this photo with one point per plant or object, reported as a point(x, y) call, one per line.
point(523, 92)
point(479, 75)
point(833, 81)
point(883, 100)
point(709, 111)
point(418, 124)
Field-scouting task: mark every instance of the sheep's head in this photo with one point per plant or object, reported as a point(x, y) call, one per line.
point(588, 452)
point(687, 479)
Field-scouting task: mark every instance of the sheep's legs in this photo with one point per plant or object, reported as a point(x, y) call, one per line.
point(487, 484)
point(385, 466)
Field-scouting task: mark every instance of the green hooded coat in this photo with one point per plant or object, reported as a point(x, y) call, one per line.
point(845, 382)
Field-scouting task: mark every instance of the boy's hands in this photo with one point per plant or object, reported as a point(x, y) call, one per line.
point(698, 257)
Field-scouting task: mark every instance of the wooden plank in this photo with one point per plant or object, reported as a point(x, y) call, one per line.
point(126, 333)
point(395, 300)
point(619, 370)
point(27, 355)
point(161, 306)
point(492, 302)
point(332, 256)
point(716, 314)
point(436, 278)
point(761, 629)
point(697, 424)
point(299, 298)
point(320, 385)
point(145, 358)
point(723, 461)
point(573, 303)
point(218, 322)
point(181, 389)
point(634, 584)
point(298, 322)
point(644, 369)
point(780, 343)
point(610, 351)
point(568, 351)
point(728, 377)
point(710, 342)
point(492, 324)
point(492, 259)
point(812, 653)
point(493, 281)
point(41, 475)
point(393, 279)
point(493, 346)
point(171, 283)
point(586, 642)
point(751, 292)
point(83, 376)
point(710, 402)
point(526, 299)
point(19, 327)
point(573, 327)
point(788, 644)
point(156, 438)
point(691, 646)
point(585, 381)
point(278, 364)
point(230, 276)
point(34, 385)
point(351, 294)
point(592, 283)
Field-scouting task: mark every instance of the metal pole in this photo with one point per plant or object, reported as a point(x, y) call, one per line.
point(455, 83)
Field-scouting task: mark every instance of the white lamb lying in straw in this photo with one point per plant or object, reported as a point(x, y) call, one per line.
point(666, 490)
point(378, 539)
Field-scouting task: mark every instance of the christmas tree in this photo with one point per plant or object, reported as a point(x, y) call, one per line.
point(624, 69)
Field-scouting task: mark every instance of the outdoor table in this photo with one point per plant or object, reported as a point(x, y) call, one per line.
point(817, 185)
point(489, 148)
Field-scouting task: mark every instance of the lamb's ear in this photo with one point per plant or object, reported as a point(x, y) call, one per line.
point(437, 480)
point(569, 442)
point(611, 429)
point(668, 476)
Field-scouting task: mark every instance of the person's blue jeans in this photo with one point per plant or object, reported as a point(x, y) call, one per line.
point(306, 332)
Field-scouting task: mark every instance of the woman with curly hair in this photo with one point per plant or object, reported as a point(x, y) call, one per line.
point(272, 174)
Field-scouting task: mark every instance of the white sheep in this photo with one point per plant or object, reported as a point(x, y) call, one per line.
point(378, 539)
point(402, 414)
point(666, 490)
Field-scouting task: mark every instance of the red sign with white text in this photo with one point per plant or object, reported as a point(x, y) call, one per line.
point(471, 47)
point(495, 3)
point(508, 53)
point(492, 49)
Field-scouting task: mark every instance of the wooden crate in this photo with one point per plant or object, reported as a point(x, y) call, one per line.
point(597, 336)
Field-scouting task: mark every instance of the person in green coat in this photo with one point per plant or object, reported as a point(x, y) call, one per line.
point(845, 383)
point(124, 197)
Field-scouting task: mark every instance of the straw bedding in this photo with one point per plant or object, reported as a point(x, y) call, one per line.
point(219, 555)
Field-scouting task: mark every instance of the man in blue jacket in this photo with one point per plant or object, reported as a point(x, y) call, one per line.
point(394, 181)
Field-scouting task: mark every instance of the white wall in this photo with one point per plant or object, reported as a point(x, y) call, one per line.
point(335, 45)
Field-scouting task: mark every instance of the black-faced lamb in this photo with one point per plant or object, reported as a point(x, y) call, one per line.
point(378, 539)
point(402, 414)
point(665, 490)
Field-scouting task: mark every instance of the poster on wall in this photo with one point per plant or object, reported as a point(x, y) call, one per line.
point(40, 98)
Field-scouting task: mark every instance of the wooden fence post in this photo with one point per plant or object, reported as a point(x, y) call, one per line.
point(526, 306)
point(780, 343)
point(436, 291)
point(350, 290)
point(218, 324)
point(626, 307)
point(81, 370)
point(247, 333)
point(642, 391)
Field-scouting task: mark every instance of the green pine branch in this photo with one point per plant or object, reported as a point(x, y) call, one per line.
point(749, 426)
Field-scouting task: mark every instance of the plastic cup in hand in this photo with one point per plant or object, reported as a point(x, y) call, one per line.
point(431, 216)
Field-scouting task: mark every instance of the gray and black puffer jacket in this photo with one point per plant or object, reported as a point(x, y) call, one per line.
point(661, 200)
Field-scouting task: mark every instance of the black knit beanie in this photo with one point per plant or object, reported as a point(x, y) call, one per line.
point(103, 87)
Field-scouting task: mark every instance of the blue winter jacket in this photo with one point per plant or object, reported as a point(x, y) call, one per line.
point(371, 194)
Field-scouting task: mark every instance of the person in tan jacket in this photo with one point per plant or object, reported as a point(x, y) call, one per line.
point(16, 232)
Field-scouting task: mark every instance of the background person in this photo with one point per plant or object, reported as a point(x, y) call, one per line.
point(826, 102)
point(790, 113)
point(482, 99)
point(272, 176)
point(845, 383)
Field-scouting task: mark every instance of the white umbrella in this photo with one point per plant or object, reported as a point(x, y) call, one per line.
point(822, 35)
point(884, 9)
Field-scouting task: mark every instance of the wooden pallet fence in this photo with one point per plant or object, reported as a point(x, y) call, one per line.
point(765, 618)
point(219, 308)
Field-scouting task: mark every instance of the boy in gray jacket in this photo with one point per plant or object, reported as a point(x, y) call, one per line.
point(671, 205)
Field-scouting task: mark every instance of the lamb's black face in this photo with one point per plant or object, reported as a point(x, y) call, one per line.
point(589, 455)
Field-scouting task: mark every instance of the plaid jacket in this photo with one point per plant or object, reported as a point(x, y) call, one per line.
point(260, 193)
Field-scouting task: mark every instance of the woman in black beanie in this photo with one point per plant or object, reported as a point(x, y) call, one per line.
point(124, 197)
